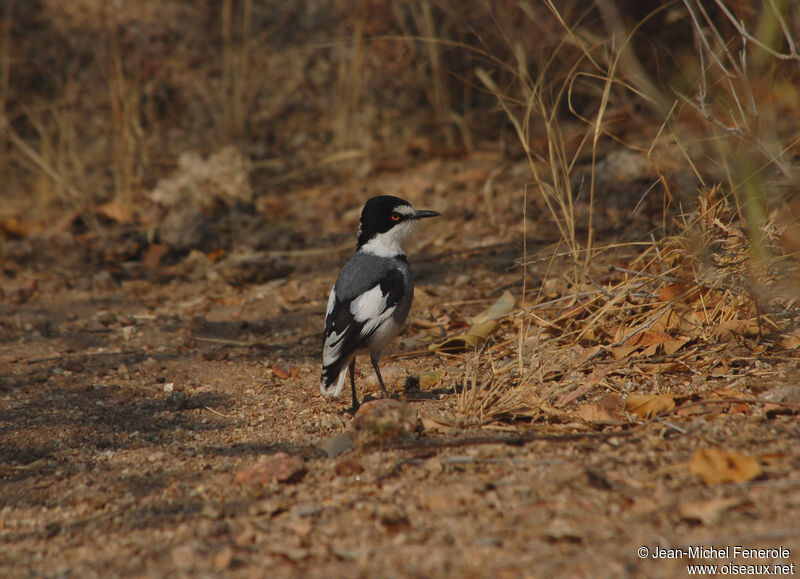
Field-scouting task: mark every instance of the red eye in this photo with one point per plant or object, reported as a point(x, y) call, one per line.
point(395, 217)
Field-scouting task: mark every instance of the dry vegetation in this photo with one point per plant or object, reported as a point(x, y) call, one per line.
point(603, 348)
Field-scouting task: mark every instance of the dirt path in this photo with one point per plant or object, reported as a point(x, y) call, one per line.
point(134, 396)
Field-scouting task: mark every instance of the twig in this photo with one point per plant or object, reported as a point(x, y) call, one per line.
point(238, 343)
point(671, 425)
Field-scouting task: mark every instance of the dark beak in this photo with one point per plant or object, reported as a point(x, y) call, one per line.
point(423, 213)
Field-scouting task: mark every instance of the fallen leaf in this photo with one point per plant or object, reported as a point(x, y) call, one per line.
point(152, 256)
point(472, 338)
point(647, 405)
point(216, 255)
point(728, 330)
point(115, 211)
point(432, 425)
point(706, 512)
point(429, 379)
point(604, 410)
point(18, 294)
point(502, 306)
point(675, 344)
point(790, 342)
point(716, 466)
point(729, 393)
point(13, 228)
point(647, 338)
point(594, 413)
point(672, 292)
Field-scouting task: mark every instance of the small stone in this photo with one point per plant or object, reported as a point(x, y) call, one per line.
point(348, 468)
point(122, 372)
point(223, 558)
point(786, 393)
point(105, 317)
point(380, 422)
point(246, 537)
point(183, 557)
point(489, 542)
point(562, 530)
point(279, 467)
point(337, 444)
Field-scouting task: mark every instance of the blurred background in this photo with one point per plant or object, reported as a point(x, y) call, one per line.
point(101, 101)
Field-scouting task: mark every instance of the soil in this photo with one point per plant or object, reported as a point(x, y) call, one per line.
point(142, 389)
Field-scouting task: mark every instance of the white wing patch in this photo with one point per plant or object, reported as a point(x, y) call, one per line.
point(331, 302)
point(368, 305)
point(333, 341)
point(370, 309)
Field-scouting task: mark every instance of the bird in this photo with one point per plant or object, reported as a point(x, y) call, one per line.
point(372, 296)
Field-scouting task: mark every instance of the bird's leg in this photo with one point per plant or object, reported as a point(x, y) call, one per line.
point(374, 358)
point(353, 385)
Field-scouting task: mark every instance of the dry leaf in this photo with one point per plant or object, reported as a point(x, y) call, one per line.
point(647, 405)
point(716, 466)
point(706, 512)
point(432, 425)
point(216, 255)
point(152, 256)
point(729, 393)
point(429, 379)
point(790, 341)
point(115, 211)
point(13, 228)
point(472, 338)
point(503, 305)
point(672, 292)
point(675, 344)
point(621, 353)
point(592, 413)
point(728, 330)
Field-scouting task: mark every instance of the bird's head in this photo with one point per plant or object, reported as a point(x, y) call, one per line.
point(386, 222)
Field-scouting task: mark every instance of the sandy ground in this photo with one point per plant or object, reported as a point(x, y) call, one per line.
point(135, 395)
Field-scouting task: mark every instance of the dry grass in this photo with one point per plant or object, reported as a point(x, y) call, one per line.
point(717, 278)
point(486, 396)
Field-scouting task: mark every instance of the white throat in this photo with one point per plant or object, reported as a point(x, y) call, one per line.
point(390, 243)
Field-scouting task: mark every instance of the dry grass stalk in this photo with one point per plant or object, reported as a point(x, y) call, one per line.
point(485, 399)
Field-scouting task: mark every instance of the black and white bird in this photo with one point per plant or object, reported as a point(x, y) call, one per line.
point(369, 303)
